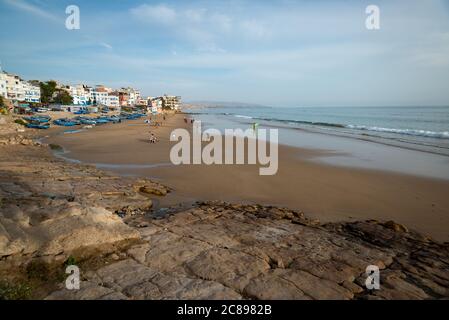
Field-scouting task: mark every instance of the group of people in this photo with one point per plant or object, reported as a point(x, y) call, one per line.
point(186, 120)
point(153, 138)
point(154, 123)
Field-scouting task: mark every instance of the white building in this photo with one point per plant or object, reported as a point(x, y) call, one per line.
point(99, 95)
point(102, 95)
point(3, 91)
point(156, 105)
point(133, 95)
point(32, 93)
point(112, 101)
point(14, 87)
point(79, 94)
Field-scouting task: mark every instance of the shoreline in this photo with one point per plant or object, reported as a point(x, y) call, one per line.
point(413, 141)
point(328, 193)
point(354, 151)
point(128, 249)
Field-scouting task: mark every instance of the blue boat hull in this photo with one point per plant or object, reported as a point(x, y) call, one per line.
point(37, 119)
point(65, 123)
point(37, 126)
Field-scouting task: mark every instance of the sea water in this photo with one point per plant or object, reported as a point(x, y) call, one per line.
point(412, 140)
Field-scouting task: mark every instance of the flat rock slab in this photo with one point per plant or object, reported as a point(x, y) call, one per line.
point(224, 251)
point(128, 279)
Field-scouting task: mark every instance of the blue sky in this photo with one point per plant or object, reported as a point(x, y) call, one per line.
point(279, 53)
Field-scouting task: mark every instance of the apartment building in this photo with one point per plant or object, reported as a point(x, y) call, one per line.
point(14, 88)
point(99, 95)
point(32, 92)
point(170, 102)
point(3, 92)
point(123, 99)
point(79, 94)
point(112, 100)
point(132, 96)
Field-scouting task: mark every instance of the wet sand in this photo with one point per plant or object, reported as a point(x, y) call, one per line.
point(322, 191)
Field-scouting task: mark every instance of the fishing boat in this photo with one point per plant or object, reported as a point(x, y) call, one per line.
point(132, 116)
point(34, 125)
point(85, 120)
point(65, 122)
point(101, 120)
point(113, 119)
point(81, 111)
point(88, 121)
point(40, 109)
point(39, 119)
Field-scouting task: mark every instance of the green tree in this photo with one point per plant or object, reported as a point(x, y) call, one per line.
point(47, 90)
point(3, 107)
point(63, 97)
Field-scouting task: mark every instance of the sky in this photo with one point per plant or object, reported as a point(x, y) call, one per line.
point(276, 53)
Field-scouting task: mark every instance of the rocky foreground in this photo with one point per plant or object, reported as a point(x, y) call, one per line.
point(53, 214)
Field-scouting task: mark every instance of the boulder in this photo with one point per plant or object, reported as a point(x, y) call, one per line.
point(73, 229)
point(153, 189)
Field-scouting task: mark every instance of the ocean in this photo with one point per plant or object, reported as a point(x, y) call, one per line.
point(428, 126)
point(412, 140)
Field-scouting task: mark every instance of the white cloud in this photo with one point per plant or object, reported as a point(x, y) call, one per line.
point(158, 13)
point(105, 45)
point(223, 21)
point(211, 48)
point(34, 10)
point(255, 29)
point(195, 15)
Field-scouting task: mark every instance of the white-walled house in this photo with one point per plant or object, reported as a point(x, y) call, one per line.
point(3, 91)
point(112, 101)
point(133, 95)
point(14, 87)
point(79, 94)
point(156, 105)
point(32, 93)
point(99, 95)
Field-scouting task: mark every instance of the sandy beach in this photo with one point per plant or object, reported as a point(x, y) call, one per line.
point(139, 228)
point(328, 193)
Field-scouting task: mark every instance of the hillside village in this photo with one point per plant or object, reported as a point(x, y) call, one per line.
point(18, 95)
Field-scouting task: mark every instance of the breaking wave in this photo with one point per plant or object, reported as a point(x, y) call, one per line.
point(410, 132)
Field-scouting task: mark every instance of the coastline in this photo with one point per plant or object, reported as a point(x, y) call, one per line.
point(54, 213)
point(325, 192)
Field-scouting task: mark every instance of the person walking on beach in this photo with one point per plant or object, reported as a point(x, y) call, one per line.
point(255, 126)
